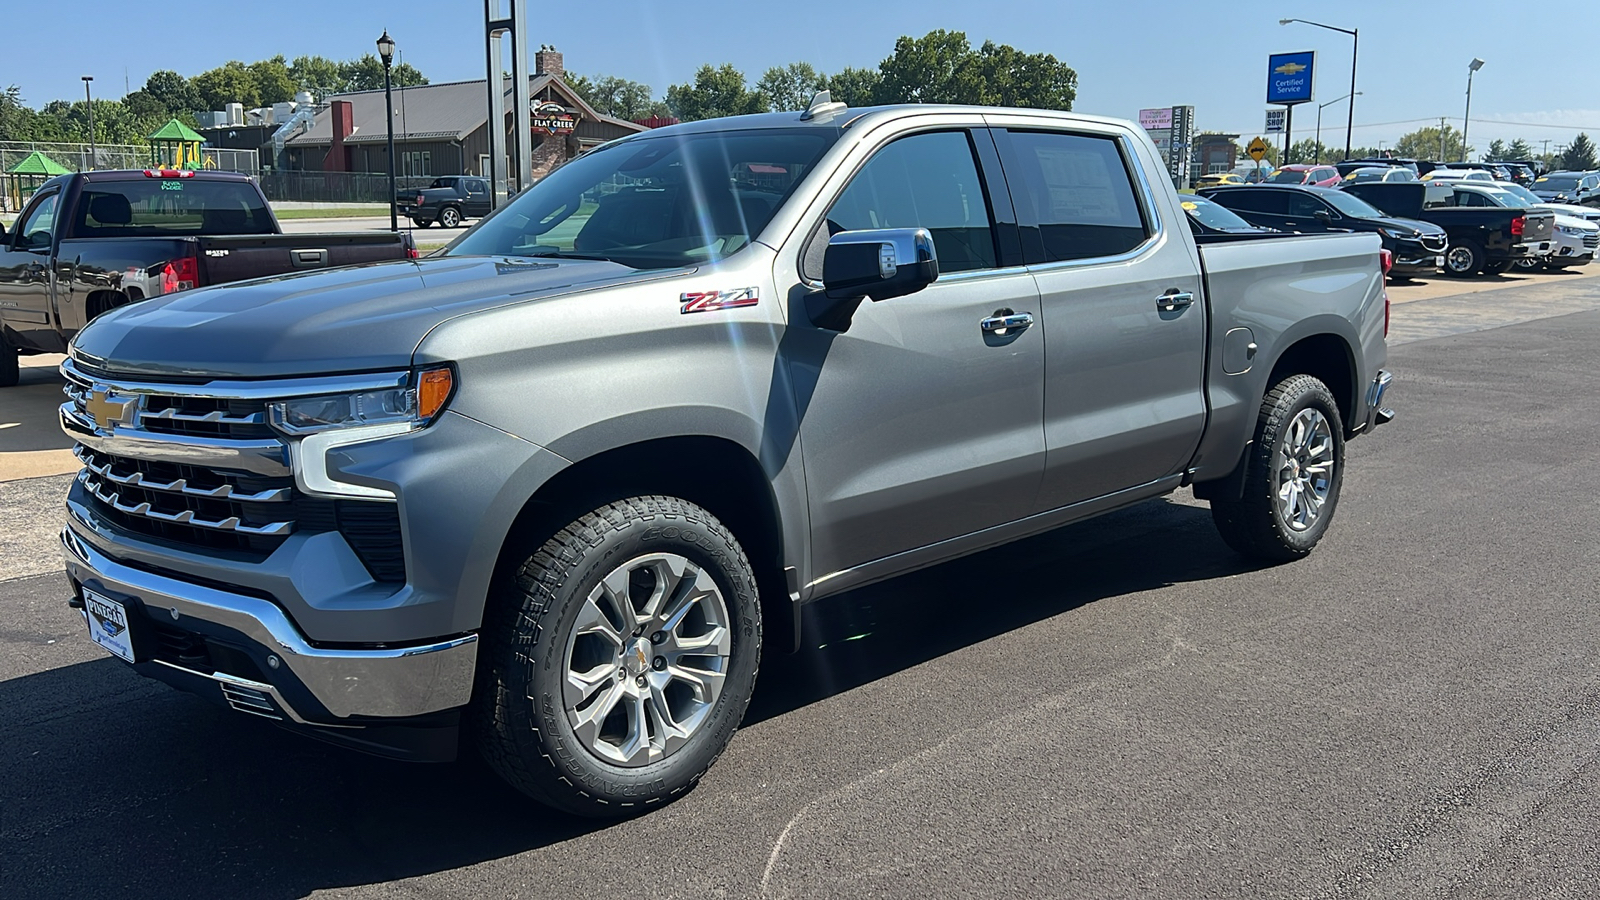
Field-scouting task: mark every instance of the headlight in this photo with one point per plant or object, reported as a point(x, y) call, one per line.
point(414, 405)
point(323, 423)
point(1575, 231)
point(1399, 235)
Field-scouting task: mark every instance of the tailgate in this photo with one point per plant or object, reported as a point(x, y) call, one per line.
point(225, 259)
point(1539, 226)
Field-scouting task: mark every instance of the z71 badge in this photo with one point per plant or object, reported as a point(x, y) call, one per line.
point(708, 301)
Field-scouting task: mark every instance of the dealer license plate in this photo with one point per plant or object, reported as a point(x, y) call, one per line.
point(108, 624)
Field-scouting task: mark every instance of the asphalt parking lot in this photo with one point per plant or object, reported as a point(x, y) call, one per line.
point(1122, 708)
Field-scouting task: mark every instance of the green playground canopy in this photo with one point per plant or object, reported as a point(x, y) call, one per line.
point(36, 163)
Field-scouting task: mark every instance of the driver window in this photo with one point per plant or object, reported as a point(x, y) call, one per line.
point(34, 231)
point(1305, 207)
point(922, 181)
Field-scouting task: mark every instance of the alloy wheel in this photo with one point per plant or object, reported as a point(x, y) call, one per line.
point(1459, 259)
point(1305, 469)
point(646, 659)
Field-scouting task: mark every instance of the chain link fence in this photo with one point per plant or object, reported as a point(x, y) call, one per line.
point(336, 187)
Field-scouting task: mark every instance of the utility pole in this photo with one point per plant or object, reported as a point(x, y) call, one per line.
point(88, 103)
point(1441, 138)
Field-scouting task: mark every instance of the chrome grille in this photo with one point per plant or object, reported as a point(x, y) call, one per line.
point(198, 466)
point(1434, 242)
point(1591, 241)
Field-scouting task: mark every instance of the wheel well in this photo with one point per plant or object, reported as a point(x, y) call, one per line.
point(712, 472)
point(103, 301)
point(1325, 357)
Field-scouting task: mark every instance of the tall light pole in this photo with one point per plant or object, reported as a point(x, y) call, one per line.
point(1466, 118)
point(386, 53)
point(1355, 46)
point(89, 102)
point(1319, 122)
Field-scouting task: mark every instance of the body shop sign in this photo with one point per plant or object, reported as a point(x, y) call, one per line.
point(553, 118)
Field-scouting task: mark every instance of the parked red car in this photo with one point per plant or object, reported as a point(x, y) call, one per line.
point(1317, 175)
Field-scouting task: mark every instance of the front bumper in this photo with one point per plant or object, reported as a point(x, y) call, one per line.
point(272, 664)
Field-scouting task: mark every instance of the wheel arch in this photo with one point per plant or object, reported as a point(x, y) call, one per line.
point(714, 472)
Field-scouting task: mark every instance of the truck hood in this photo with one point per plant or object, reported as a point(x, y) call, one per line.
point(357, 319)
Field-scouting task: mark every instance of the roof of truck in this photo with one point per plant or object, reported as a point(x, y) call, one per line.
point(846, 117)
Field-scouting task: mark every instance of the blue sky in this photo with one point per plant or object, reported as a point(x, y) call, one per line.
point(1128, 54)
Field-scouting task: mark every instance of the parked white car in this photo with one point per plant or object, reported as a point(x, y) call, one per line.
point(1459, 175)
point(1576, 237)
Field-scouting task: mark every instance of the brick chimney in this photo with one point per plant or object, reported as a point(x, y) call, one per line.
point(338, 159)
point(548, 62)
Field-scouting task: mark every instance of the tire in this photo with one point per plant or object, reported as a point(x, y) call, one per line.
point(1261, 524)
point(1530, 263)
point(544, 730)
point(10, 370)
point(449, 217)
point(1499, 268)
point(1463, 260)
point(422, 223)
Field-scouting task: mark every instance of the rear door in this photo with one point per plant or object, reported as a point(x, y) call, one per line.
point(1124, 318)
point(477, 202)
point(1259, 206)
point(25, 272)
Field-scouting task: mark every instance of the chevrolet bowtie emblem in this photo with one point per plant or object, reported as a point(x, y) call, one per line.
point(106, 411)
point(1290, 69)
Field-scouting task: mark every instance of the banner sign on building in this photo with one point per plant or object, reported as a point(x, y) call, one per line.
point(1290, 77)
point(554, 118)
point(1152, 119)
point(1275, 121)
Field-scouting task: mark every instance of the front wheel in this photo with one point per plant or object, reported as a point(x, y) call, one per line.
point(422, 223)
point(1292, 475)
point(620, 658)
point(1463, 259)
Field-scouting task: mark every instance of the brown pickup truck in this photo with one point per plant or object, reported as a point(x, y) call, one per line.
point(92, 241)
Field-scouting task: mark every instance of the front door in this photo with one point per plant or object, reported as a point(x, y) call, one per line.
point(916, 427)
point(25, 274)
point(1124, 316)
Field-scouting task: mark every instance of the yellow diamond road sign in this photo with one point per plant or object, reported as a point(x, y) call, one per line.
point(1257, 149)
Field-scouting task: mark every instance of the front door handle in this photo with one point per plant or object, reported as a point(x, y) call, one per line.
point(1004, 322)
point(1174, 300)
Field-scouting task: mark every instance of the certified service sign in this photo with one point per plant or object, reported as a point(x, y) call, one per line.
point(1289, 77)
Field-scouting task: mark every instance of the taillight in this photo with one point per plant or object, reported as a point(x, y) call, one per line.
point(419, 199)
point(1386, 260)
point(181, 274)
point(168, 173)
point(1517, 226)
point(411, 253)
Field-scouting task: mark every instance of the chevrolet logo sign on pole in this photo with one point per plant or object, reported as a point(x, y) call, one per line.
point(1290, 81)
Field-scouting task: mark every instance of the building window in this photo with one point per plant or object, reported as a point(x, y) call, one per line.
point(416, 162)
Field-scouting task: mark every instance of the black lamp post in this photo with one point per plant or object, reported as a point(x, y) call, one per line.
point(386, 53)
point(1355, 46)
point(89, 102)
point(1466, 119)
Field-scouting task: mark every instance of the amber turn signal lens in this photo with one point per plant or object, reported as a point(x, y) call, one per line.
point(433, 391)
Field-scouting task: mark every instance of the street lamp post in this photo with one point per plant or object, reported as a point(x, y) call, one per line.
point(386, 53)
point(89, 102)
point(1355, 47)
point(1349, 97)
point(1466, 118)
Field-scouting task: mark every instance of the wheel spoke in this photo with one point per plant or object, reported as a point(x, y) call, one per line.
point(582, 685)
point(718, 639)
point(588, 722)
point(705, 683)
point(592, 620)
point(638, 731)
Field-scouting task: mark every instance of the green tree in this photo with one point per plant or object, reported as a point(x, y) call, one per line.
point(715, 92)
point(790, 87)
point(1520, 149)
point(317, 74)
point(366, 74)
point(19, 122)
point(175, 93)
point(854, 87)
point(616, 97)
point(1429, 143)
point(1497, 151)
point(1034, 80)
point(231, 82)
point(1579, 155)
point(1309, 151)
point(939, 67)
point(273, 80)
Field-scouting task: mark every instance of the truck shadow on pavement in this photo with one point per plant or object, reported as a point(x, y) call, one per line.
point(117, 784)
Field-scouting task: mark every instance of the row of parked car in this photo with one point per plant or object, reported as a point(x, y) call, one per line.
point(1463, 221)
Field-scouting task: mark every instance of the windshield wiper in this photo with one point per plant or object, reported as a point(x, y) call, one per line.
point(556, 253)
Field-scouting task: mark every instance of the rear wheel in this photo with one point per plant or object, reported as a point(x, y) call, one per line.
point(10, 371)
point(1463, 259)
point(1292, 476)
point(1530, 264)
point(622, 658)
point(1501, 267)
point(449, 217)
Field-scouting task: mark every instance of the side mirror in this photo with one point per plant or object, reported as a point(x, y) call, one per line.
point(879, 263)
point(1323, 216)
point(2, 232)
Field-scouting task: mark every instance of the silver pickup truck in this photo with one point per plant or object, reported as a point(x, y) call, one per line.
point(559, 485)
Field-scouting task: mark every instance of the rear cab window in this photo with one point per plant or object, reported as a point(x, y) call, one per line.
point(160, 207)
point(1075, 196)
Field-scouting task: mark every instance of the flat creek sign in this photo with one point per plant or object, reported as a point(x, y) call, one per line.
point(553, 118)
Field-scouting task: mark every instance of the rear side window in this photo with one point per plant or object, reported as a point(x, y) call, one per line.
point(154, 207)
point(1076, 195)
point(1258, 201)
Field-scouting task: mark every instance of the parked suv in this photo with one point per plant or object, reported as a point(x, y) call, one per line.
point(1319, 176)
point(449, 200)
point(1580, 188)
point(1418, 247)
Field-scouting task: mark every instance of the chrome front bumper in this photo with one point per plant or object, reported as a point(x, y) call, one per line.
point(330, 684)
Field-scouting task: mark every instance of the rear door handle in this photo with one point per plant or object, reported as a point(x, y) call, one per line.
point(1173, 301)
point(1004, 321)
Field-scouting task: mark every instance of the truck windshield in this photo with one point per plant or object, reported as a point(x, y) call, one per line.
point(155, 207)
point(654, 203)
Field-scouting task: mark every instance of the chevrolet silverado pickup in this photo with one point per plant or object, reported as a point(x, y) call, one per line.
point(92, 241)
point(557, 488)
point(1482, 237)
